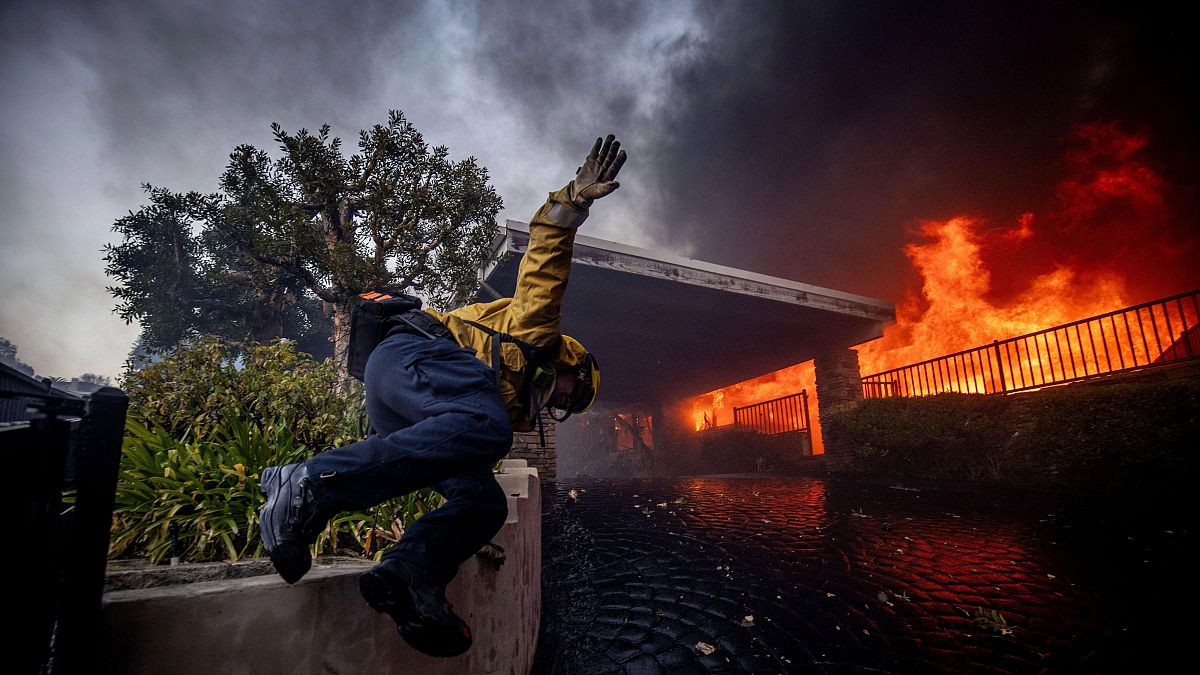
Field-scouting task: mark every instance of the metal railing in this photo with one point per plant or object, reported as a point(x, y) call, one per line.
point(1150, 334)
point(777, 416)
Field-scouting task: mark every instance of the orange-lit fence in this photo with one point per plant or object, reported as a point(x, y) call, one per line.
point(777, 416)
point(1151, 334)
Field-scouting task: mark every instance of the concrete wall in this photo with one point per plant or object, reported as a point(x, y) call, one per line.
point(322, 624)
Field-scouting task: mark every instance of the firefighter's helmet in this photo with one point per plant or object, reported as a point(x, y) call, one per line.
point(572, 355)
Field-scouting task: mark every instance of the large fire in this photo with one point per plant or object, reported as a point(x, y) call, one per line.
point(981, 282)
point(716, 408)
point(1069, 263)
point(953, 311)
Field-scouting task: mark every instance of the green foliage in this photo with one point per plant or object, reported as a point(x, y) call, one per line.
point(992, 621)
point(198, 434)
point(944, 436)
point(288, 241)
point(1131, 432)
point(181, 276)
point(204, 388)
point(1098, 436)
point(8, 355)
point(98, 380)
point(8, 351)
point(204, 487)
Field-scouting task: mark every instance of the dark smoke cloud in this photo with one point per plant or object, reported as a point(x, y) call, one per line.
point(565, 63)
point(573, 70)
point(192, 75)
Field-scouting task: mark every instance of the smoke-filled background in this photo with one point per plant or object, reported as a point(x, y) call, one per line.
point(812, 141)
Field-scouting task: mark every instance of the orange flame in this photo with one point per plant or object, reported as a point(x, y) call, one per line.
point(1071, 263)
point(716, 407)
point(958, 314)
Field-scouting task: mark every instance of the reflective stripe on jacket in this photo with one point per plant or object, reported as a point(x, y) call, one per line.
point(534, 311)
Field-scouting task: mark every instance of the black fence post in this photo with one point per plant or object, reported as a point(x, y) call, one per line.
point(37, 456)
point(999, 366)
point(97, 464)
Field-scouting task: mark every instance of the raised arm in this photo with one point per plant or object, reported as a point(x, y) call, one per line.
point(542, 276)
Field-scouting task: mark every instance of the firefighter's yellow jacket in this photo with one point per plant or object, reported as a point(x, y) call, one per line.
point(533, 313)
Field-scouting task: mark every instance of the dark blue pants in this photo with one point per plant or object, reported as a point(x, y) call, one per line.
point(439, 423)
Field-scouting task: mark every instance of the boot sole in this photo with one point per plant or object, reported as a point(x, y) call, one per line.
point(427, 636)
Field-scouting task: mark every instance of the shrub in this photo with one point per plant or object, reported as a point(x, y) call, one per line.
point(203, 388)
point(1099, 436)
point(199, 432)
point(1105, 435)
point(944, 436)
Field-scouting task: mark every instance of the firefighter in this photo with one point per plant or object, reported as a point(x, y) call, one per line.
point(444, 393)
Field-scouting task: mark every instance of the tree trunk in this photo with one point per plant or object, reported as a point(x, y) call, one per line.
point(338, 230)
point(341, 340)
point(268, 315)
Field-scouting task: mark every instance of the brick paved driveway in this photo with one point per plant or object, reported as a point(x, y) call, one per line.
point(783, 575)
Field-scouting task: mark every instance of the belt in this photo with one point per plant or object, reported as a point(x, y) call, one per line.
point(418, 322)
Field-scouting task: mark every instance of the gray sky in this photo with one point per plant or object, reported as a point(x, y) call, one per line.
point(802, 140)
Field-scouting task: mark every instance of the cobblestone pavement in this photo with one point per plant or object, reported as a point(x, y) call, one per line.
point(797, 575)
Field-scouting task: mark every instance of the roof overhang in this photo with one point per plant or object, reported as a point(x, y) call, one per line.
point(664, 327)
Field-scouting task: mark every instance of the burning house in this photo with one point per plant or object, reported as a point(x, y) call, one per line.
point(667, 329)
point(693, 350)
point(1085, 286)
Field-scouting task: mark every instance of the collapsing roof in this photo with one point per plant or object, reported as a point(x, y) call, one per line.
point(664, 327)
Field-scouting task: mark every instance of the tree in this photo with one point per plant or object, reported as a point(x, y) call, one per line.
point(183, 277)
point(8, 355)
point(97, 380)
point(8, 351)
point(310, 228)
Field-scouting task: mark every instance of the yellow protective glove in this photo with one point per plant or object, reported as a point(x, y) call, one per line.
point(596, 177)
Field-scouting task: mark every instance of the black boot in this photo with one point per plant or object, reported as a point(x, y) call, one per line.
point(418, 605)
point(291, 520)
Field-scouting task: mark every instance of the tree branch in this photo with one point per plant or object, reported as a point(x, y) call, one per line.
point(423, 254)
point(296, 268)
point(415, 210)
point(369, 169)
point(206, 303)
point(292, 265)
point(379, 255)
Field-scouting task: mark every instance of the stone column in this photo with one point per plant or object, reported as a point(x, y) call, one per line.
point(839, 383)
point(527, 446)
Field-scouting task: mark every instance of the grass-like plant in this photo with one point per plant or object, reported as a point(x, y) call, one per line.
point(992, 621)
point(200, 430)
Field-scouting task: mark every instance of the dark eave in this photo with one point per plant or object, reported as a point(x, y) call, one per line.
point(664, 327)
